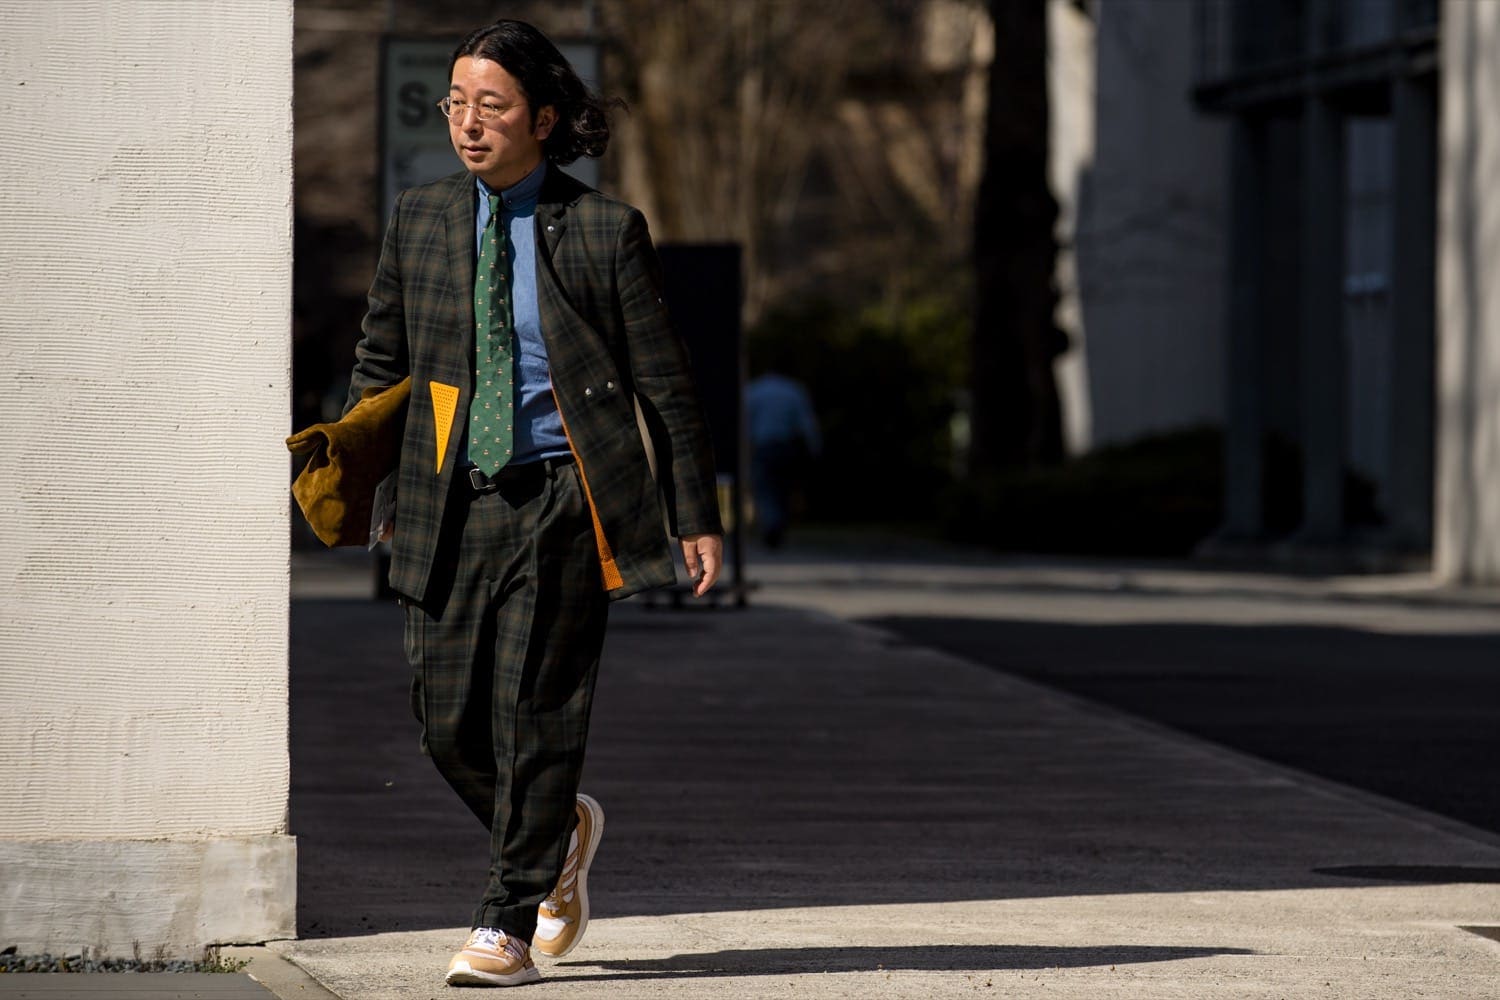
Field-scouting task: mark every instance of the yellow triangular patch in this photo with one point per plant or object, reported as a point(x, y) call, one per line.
point(444, 404)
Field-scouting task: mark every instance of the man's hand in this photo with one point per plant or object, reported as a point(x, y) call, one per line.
point(703, 555)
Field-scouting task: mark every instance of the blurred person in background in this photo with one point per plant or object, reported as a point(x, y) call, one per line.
point(784, 442)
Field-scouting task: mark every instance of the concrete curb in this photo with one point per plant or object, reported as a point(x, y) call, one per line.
point(280, 975)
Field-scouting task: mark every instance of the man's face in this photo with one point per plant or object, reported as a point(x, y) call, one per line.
point(506, 148)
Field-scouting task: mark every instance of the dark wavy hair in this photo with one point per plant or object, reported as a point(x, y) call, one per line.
point(545, 77)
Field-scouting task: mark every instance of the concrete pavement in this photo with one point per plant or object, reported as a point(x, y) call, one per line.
point(800, 805)
point(1386, 683)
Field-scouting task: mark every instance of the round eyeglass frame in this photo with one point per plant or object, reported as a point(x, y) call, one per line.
point(459, 110)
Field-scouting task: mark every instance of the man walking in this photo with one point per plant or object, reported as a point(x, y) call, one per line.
point(784, 441)
point(527, 310)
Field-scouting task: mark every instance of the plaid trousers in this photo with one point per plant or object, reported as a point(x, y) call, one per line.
point(504, 651)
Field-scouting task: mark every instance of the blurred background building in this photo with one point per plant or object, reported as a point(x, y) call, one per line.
point(1358, 431)
point(1331, 111)
point(1264, 331)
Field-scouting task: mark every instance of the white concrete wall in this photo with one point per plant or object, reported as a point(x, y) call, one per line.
point(145, 255)
point(1152, 225)
point(1467, 516)
point(1071, 60)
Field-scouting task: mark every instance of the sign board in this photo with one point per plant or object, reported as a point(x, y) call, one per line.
point(414, 143)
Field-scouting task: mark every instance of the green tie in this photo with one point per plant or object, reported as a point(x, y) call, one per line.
point(491, 410)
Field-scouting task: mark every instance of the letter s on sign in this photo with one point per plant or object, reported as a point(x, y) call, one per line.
point(412, 104)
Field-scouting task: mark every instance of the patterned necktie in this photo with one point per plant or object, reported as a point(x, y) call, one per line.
point(491, 411)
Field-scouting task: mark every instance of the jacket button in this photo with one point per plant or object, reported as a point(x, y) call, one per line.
point(588, 391)
point(609, 385)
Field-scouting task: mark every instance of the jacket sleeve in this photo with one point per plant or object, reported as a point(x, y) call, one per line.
point(380, 357)
point(662, 373)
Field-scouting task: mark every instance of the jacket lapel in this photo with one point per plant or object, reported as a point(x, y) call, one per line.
point(552, 210)
point(459, 221)
point(449, 401)
point(552, 221)
point(555, 265)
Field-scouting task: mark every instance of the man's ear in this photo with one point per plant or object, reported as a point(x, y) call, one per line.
point(546, 119)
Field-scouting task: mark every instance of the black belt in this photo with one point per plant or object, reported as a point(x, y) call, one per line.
point(513, 473)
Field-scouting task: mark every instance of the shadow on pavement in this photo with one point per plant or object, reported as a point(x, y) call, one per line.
point(929, 958)
point(771, 758)
point(1418, 874)
point(1412, 717)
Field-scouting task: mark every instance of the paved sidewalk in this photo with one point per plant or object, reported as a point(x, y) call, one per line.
point(802, 806)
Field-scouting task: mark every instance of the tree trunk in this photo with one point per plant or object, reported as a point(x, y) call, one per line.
point(1016, 415)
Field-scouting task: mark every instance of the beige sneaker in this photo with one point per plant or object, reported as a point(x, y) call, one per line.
point(563, 915)
point(491, 958)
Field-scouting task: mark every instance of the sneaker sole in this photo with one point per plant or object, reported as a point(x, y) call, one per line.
point(596, 814)
point(464, 974)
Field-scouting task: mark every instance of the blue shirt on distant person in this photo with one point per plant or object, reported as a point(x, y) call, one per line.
point(780, 411)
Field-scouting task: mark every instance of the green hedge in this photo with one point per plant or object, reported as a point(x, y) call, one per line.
point(1159, 496)
point(883, 386)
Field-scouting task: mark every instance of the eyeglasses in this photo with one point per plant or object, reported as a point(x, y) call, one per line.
point(456, 111)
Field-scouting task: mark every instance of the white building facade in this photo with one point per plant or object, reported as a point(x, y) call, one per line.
point(1281, 234)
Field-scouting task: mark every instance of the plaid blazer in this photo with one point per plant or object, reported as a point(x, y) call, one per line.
point(610, 343)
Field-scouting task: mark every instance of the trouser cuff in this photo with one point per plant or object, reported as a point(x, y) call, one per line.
point(515, 921)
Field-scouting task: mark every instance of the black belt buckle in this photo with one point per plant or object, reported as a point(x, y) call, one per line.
point(481, 483)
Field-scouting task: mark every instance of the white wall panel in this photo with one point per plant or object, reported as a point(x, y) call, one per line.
point(1151, 239)
point(145, 254)
point(1468, 331)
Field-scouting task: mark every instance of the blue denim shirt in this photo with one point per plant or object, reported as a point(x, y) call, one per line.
point(538, 426)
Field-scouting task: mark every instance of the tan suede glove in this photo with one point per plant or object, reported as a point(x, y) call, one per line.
point(349, 458)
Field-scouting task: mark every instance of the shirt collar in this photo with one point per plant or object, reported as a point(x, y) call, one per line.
point(523, 193)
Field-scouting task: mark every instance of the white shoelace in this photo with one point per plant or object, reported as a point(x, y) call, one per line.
point(493, 938)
